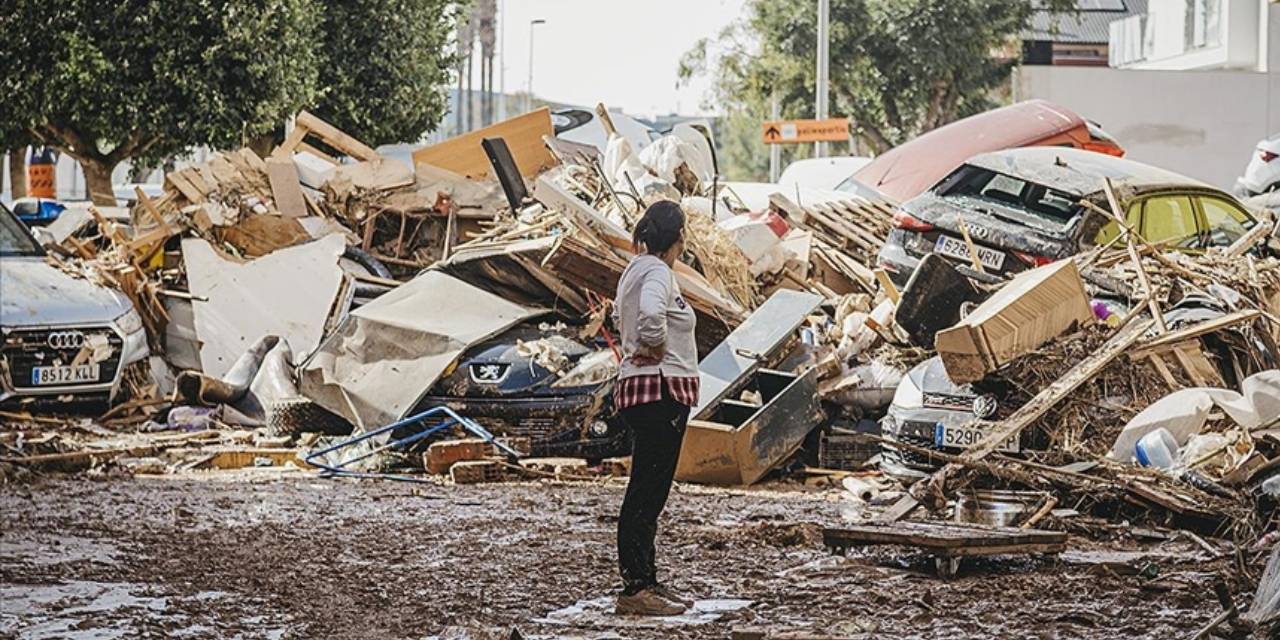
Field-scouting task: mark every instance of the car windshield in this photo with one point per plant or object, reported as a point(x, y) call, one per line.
point(14, 239)
point(850, 185)
point(1041, 206)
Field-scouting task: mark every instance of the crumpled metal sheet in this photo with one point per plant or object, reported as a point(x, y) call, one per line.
point(388, 353)
point(288, 293)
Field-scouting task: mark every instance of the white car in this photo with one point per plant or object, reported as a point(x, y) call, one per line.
point(60, 336)
point(821, 173)
point(1263, 172)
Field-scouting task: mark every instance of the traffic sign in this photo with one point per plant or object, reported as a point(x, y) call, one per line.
point(795, 131)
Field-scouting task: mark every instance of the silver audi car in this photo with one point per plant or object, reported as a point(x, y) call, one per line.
point(60, 336)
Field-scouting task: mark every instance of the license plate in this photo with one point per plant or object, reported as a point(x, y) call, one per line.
point(44, 376)
point(963, 437)
point(956, 248)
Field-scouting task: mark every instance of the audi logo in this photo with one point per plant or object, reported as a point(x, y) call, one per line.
point(66, 340)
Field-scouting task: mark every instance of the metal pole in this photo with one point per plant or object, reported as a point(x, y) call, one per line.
point(824, 37)
point(775, 150)
point(528, 98)
point(502, 60)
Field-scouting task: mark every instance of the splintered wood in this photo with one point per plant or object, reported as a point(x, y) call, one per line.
point(1011, 427)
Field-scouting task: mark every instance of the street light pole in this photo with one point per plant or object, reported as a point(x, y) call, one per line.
point(528, 98)
point(502, 60)
point(824, 39)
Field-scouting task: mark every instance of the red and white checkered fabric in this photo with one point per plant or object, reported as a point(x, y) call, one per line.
point(636, 390)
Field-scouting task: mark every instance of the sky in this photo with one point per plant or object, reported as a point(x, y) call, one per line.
point(620, 52)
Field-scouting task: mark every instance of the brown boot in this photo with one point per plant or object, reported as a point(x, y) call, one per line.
point(674, 596)
point(648, 603)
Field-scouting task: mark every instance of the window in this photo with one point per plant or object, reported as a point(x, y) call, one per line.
point(1023, 202)
point(1111, 230)
point(1224, 221)
point(1169, 221)
point(14, 239)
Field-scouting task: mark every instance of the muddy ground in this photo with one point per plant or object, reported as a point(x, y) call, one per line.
point(291, 556)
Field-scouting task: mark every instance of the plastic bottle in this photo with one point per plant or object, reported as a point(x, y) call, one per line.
point(1157, 449)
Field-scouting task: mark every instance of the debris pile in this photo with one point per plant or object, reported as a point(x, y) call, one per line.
point(372, 312)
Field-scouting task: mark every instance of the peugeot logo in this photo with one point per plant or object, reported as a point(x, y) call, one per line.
point(489, 373)
point(66, 340)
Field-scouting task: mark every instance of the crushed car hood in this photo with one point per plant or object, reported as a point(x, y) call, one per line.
point(993, 230)
point(34, 293)
point(514, 372)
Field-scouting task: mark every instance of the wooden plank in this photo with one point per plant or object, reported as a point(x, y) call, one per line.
point(968, 242)
point(1246, 242)
point(1194, 360)
point(889, 290)
point(1147, 289)
point(303, 146)
point(149, 206)
point(845, 229)
point(523, 134)
point(335, 137)
point(940, 536)
point(1026, 414)
point(1162, 368)
point(1197, 330)
point(285, 188)
point(290, 143)
point(1188, 366)
point(1002, 550)
point(178, 181)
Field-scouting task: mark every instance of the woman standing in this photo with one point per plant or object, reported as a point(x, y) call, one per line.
point(657, 386)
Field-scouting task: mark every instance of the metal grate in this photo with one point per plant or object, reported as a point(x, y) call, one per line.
point(23, 350)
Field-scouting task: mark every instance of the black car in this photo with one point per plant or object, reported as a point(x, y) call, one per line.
point(1022, 209)
point(539, 380)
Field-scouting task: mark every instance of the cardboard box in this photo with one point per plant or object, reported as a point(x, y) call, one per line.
point(1034, 307)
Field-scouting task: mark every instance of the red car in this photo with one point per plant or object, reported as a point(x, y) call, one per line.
point(911, 168)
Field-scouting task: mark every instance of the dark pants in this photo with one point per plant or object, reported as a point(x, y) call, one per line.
point(658, 429)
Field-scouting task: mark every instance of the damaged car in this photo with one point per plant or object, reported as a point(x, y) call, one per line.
point(61, 337)
point(930, 411)
point(543, 381)
point(1022, 209)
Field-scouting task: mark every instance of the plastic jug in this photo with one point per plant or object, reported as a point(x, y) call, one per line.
point(1157, 449)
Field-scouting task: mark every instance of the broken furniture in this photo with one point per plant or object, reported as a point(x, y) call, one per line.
point(450, 419)
point(932, 299)
point(947, 541)
point(737, 442)
point(730, 441)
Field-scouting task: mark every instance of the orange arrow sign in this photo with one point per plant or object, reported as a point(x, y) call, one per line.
point(797, 131)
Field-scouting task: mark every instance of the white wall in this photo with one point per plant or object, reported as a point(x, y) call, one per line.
point(1203, 124)
point(1233, 39)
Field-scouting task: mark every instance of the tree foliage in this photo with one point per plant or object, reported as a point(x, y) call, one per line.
point(105, 82)
point(388, 69)
point(148, 79)
point(897, 67)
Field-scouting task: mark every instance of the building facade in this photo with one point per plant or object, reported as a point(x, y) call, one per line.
point(1182, 35)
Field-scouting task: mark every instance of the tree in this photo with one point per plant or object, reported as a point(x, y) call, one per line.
point(388, 66)
point(146, 79)
point(898, 67)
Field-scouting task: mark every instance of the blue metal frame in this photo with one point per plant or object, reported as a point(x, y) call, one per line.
point(452, 418)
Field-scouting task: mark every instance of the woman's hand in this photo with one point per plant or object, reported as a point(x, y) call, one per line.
point(647, 356)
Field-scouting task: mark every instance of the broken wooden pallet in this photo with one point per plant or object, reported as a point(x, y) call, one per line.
point(946, 540)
